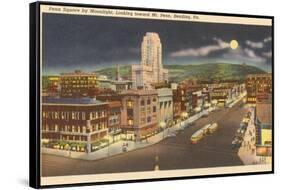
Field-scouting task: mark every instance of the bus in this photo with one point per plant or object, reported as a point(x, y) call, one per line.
point(197, 136)
point(206, 129)
point(213, 128)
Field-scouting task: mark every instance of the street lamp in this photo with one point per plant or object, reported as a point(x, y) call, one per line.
point(163, 126)
point(184, 116)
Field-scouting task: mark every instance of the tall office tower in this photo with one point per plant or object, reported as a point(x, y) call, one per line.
point(150, 71)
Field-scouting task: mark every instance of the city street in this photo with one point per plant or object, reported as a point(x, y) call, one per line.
point(175, 152)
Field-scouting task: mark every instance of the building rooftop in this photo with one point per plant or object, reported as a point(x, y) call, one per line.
point(114, 104)
point(138, 92)
point(77, 73)
point(259, 75)
point(68, 101)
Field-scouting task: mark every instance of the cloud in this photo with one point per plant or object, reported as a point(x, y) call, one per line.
point(201, 51)
point(267, 54)
point(254, 44)
point(268, 39)
point(251, 54)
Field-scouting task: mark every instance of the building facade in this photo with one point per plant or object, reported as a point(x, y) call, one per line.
point(78, 84)
point(114, 120)
point(139, 114)
point(150, 71)
point(165, 96)
point(263, 123)
point(257, 83)
point(74, 120)
point(50, 85)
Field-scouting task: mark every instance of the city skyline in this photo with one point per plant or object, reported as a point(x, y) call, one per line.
point(79, 44)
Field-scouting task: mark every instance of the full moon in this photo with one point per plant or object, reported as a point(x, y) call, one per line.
point(233, 44)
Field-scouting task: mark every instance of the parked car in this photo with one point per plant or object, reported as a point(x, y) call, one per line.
point(236, 143)
point(171, 135)
point(124, 148)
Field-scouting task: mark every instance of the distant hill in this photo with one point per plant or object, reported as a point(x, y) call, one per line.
point(204, 72)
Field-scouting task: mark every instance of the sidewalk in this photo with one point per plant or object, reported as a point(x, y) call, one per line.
point(247, 151)
point(116, 148)
point(237, 100)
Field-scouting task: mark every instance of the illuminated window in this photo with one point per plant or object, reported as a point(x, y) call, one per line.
point(130, 103)
point(130, 122)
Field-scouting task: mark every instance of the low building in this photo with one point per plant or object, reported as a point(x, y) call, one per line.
point(257, 83)
point(50, 85)
point(263, 123)
point(165, 96)
point(74, 120)
point(78, 84)
point(139, 114)
point(121, 85)
point(222, 95)
point(103, 82)
point(198, 100)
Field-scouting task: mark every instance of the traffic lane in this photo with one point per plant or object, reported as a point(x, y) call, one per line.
point(213, 150)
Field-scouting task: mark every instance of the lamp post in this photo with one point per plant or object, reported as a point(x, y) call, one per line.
point(184, 116)
point(162, 126)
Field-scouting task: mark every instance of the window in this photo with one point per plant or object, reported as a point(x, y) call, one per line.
point(154, 108)
point(84, 129)
point(154, 99)
point(84, 116)
point(130, 103)
point(130, 122)
point(142, 102)
point(130, 113)
point(56, 115)
point(148, 119)
point(142, 120)
point(148, 101)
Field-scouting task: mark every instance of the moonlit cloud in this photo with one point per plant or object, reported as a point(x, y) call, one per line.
point(251, 54)
point(201, 51)
point(267, 54)
point(268, 39)
point(254, 44)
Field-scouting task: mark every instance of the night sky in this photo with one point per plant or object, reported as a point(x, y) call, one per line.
point(92, 42)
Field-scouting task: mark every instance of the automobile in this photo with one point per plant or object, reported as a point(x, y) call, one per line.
point(243, 126)
point(246, 120)
point(197, 136)
point(241, 130)
point(249, 114)
point(191, 123)
point(205, 114)
point(236, 143)
point(124, 148)
point(171, 135)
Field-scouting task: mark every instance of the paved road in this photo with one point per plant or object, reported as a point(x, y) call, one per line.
point(171, 153)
